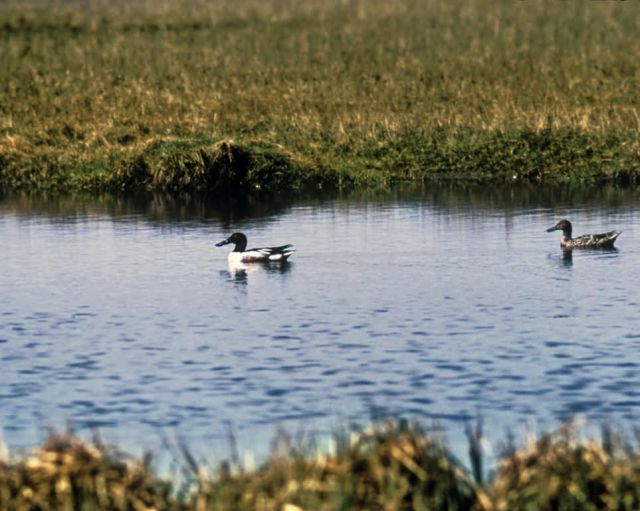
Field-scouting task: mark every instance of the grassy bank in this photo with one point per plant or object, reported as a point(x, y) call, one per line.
point(391, 466)
point(278, 95)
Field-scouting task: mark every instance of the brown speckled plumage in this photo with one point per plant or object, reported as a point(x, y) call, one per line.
point(604, 240)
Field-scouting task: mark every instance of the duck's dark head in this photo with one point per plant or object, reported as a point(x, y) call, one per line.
point(238, 239)
point(564, 226)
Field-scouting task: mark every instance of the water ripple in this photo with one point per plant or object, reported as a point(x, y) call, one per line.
point(465, 308)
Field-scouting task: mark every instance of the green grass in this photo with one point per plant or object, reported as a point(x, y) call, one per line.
point(315, 94)
point(389, 466)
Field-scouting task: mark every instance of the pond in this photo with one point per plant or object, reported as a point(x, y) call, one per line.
point(446, 304)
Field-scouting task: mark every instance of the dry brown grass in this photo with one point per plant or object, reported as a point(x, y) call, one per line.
point(389, 466)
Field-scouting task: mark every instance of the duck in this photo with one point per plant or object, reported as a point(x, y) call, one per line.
point(604, 240)
point(240, 254)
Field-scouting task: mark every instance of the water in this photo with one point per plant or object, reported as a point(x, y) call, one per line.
point(444, 305)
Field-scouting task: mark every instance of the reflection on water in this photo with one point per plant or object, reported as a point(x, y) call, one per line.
point(229, 209)
point(240, 272)
point(237, 275)
point(437, 303)
point(567, 257)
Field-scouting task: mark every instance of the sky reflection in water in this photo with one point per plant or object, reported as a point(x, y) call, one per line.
point(442, 305)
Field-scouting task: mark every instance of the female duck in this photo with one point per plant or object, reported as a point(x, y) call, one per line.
point(604, 240)
point(240, 254)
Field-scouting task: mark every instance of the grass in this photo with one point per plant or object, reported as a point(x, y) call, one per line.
point(286, 96)
point(389, 466)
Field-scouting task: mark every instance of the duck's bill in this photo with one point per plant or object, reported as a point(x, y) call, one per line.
point(554, 228)
point(223, 242)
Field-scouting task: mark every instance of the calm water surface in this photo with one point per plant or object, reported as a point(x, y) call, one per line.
point(442, 305)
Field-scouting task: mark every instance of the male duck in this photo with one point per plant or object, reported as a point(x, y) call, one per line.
point(240, 254)
point(604, 240)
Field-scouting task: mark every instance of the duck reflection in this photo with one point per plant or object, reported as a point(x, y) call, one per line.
point(238, 272)
point(562, 260)
point(238, 275)
point(567, 257)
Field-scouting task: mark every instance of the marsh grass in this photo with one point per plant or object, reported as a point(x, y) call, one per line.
point(316, 94)
point(391, 465)
point(68, 474)
point(560, 471)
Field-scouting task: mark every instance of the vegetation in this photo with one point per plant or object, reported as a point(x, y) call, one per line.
point(391, 466)
point(315, 94)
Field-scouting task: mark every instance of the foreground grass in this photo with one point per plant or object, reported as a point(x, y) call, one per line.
point(392, 466)
point(315, 94)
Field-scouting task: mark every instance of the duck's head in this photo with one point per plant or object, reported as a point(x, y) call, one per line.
point(564, 226)
point(238, 239)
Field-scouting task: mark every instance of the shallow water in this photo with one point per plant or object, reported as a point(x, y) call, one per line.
point(444, 305)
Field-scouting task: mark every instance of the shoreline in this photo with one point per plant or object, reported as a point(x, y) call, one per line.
point(184, 165)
